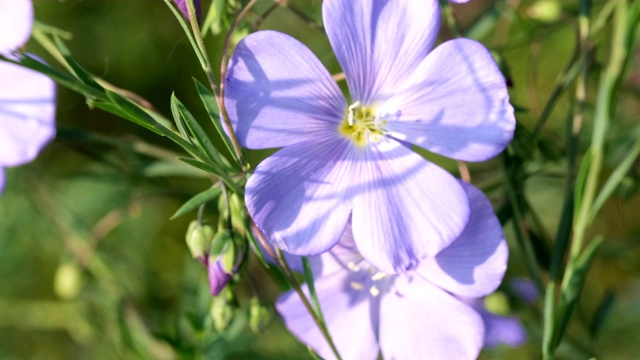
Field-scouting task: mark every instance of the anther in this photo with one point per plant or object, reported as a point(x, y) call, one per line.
point(356, 285)
point(351, 110)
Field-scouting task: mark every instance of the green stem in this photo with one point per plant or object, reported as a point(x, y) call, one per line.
point(296, 286)
point(208, 70)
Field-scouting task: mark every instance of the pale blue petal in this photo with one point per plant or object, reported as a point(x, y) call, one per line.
point(27, 113)
point(278, 93)
point(422, 321)
point(297, 196)
point(379, 43)
point(407, 209)
point(16, 20)
point(350, 314)
point(474, 264)
point(456, 104)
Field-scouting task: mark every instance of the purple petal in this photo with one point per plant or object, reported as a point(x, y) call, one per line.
point(456, 104)
point(218, 277)
point(296, 196)
point(502, 330)
point(459, 1)
point(27, 114)
point(379, 43)
point(278, 93)
point(182, 5)
point(423, 319)
point(474, 265)
point(16, 20)
point(408, 208)
point(2, 180)
point(351, 316)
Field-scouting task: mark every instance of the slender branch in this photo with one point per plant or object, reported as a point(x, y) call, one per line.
point(208, 69)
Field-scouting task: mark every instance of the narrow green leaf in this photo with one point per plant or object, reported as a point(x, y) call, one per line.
point(601, 314)
point(84, 76)
point(561, 242)
point(570, 292)
point(215, 171)
point(210, 104)
point(175, 111)
point(118, 111)
point(199, 199)
point(198, 133)
point(615, 179)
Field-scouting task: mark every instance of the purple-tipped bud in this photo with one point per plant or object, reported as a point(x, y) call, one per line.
point(182, 5)
point(218, 276)
point(223, 262)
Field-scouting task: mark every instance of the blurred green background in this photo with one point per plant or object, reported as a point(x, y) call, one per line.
point(93, 267)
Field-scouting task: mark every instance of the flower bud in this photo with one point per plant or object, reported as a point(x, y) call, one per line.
point(199, 239)
point(224, 260)
point(221, 312)
point(259, 316)
point(547, 11)
point(67, 282)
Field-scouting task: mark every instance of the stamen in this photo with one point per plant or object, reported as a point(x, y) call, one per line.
point(357, 286)
point(374, 291)
point(378, 276)
point(352, 266)
point(351, 110)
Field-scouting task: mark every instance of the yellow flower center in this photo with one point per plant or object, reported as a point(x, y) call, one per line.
point(362, 125)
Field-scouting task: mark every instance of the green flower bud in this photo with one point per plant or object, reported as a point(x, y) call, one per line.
point(259, 316)
point(497, 303)
point(221, 313)
point(199, 238)
point(547, 11)
point(67, 281)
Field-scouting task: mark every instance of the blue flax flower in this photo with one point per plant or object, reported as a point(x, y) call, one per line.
point(27, 98)
point(413, 315)
point(353, 159)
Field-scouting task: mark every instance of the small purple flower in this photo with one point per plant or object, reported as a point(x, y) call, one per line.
point(411, 315)
point(182, 5)
point(27, 98)
point(353, 160)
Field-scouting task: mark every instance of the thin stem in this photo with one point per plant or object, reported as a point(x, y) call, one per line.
point(296, 286)
point(223, 80)
point(208, 69)
point(288, 274)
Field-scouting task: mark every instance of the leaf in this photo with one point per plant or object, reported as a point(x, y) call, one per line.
point(216, 171)
point(84, 76)
point(210, 104)
point(561, 242)
point(571, 289)
point(197, 131)
point(199, 199)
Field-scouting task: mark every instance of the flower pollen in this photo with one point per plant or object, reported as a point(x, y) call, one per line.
point(362, 124)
